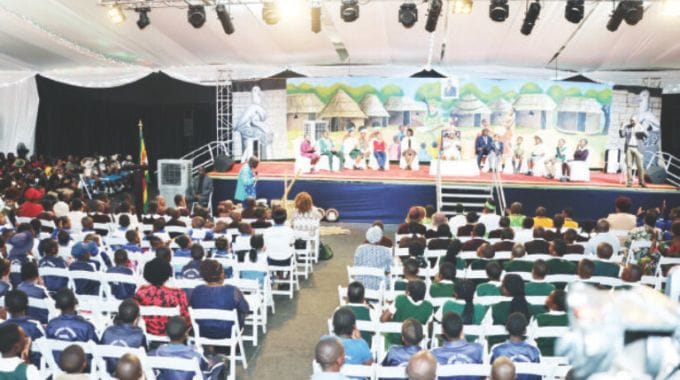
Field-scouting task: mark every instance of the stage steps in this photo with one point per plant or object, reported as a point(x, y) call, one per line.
point(471, 197)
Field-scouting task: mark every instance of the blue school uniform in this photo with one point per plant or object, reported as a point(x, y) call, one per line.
point(121, 290)
point(35, 291)
point(4, 288)
point(86, 287)
point(17, 260)
point(53, 283)
point(186, 352)
point(70, 328)
point(459, 352)
point(399, 355)
point(518, 352)
point(224, 297)
point(124, 335)
point(33, 330)
point(192, 270)
point(183, 252)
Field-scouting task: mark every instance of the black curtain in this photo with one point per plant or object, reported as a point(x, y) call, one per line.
point(178, 117)
point(670, 121)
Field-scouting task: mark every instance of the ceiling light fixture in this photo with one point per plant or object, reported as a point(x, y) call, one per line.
point(461, 6)
point(225, 19)
point(316, 16)
point(143, 20)
point(116, 14)
point(499, 10)
point(433, 12)
point(629, 10)
point(574, 10)
point(349, 10)
point(196, 15)
point(530, 18)
point(270, 12)
point(408, 14)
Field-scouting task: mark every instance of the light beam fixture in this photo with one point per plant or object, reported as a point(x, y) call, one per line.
point(629, 10)
point(143, 20)
point(433, 12)
point(530, 18)
point(349, 10)
point(499, 10)
point(408, 14)
point(270, 12)
point(225, 19)
point(573, 11)
point(116, 14)
point(196, 15)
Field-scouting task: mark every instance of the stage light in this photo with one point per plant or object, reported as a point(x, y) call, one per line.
point(433, 12)
point(629, 10)
point(143, 20)
point(573, 11)
point(671, 7)
point(349, 10)
point(225, 19)
point(499, 10)
point(461, 6)
point(196, 15)
point(408, 14)
point(316, 17)
point(116, 14)
point(530, 18)
point(270, 12)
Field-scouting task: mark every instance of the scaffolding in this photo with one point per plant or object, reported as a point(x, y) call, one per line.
point(223, 124)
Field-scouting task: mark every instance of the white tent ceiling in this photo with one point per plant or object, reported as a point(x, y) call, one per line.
point(77, 37)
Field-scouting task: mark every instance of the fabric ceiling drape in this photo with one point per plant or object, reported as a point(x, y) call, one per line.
point(18, 111)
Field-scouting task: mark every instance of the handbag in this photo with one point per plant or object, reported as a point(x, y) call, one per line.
point(325, 252)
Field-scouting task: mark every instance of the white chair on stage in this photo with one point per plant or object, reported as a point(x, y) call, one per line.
point(302, 164)
point(539, 166)
point(580, 171)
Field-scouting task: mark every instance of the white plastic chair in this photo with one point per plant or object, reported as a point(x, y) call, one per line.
point(449, 370)
point(171, 363)
point(102, 352)
point(44, 304)
point(156, 311)
point(580, 171)
point(258, 307)
point(292, 280)
point(86, 276)
point(49, 346)
point(302, 164)
point(109, 279)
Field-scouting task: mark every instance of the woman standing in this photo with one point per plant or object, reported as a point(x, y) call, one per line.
point(247, 179)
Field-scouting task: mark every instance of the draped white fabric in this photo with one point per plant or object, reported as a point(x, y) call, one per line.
point(18, 114)
point(98, 77)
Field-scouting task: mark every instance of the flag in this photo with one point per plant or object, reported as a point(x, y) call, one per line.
point(143, 161)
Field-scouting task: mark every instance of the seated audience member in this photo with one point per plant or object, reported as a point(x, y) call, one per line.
point(515, 348)
point(558, 223)
point(133, 241)
point(471, 219)
point(622, 219)
point(441, 239)
point(129, 367)
point(463, 304)
point(485, 252)
point(184, 243)
point(503, 369)
point(222, 248)
point(631, 273)
point(124, 331)
point(517, 262)
point(22, 245)
point(122, 266)
point(191, 270)
point(503, 224)
point(587, 227)
point(491, 287)
point(525, 234)
point(457, 350)
point(570, 236)
point(506, 243)
point(177, 330)
point(515, 215)
point(438, 219)
point(602, 235)
point(409, 305)
point(422, 366)
point(5, 268)
point(164, 253)
point(73, 362)
point(82, 253)
point(414, 215)
point(541, 218)
point(452, 254)
point(363, 311)
point(429, 216)
point(538, 245)
point(414, 236)
point(585, 269)
point(513, 286)
point(477, 239)
point(459, 219)
point(556, 265)
point(444, 281)
point(52, 260)
point(279, 239)
point(155, 293)
point(175, 216)
point(385, 241)
point(537, 286)
point(260, 218)
point(31, 286)
point(489, 218)
point(215, 294)
point(344, 328)
point(16, 304)
point(249, 209)
point(556, 303)
point(257, 256)
point(568, 214)
point(410, 268)
point(647, 234)
point(69, 326)
point(88, 225)
point(330, 354)
point(200, 230)
point(373, 255)
point(236, 218)
point(416, 250)
point(603, 265)
point(15, 347)
point(411, 337)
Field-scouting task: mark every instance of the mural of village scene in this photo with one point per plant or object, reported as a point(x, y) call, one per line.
point(510, 108)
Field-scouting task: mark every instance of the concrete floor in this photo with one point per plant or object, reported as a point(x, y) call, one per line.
point(287, 350)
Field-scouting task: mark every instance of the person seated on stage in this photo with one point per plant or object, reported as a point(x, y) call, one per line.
point(603, 265)
point(471, 219)
point(441, 239)
point(537, 286)
point(423, 154)
point(415, 214)
point(444, 281)
point(496, 154)
point(307, 150)
point(537, 155)
point(515, 347)
point(457, 350)
point(517, 155)
point(580, 154)
point(410, 305)
point(408, 149)
point(411, 337)
point(557, 249)
point(483, 146)
point(260, 218)
point(489, 217)
point(379, 150)
point(560, 158)
point(556, 303)
point(477, 238)
point(515, 215)
point(351, 151)
point(505, 244)
point(327, 148)
point(394, 148)
point(541, 218)
point(493, 286)
point(451, 148)
point(570, 236)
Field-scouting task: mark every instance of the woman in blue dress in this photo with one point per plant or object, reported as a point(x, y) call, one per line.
point(247, 179)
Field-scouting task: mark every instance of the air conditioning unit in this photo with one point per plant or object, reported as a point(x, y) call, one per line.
point(174, 177)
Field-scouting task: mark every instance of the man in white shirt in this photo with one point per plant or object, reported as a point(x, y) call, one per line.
point(458, 220)
point(76, 215)
point(633, 135)
point(279, 239)
point(602, 236)
point(489, 217)
point(622, 219)
point(526, 233)
point(16, 347)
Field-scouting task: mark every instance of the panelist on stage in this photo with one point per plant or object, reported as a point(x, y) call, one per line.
point(496, 154)
point(483, 147)
point(408, 148)
point(327, 148)
point(307, 150)
point(634, 135)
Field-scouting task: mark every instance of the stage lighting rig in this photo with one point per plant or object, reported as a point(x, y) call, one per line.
point(530, 18)
point(574, 10)
point(143, 20)
point(408, 14)
point(433, 12)
point(116, 14)
point(270, 12)
point(629, 10)
point(225, 18)
point(499, 10)
point(349, 10)
point(316, 16)
point(196, 15)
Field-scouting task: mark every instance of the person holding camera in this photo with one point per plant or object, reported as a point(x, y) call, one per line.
point(633, 135)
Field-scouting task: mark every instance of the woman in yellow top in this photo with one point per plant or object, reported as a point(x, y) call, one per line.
point(541, 220)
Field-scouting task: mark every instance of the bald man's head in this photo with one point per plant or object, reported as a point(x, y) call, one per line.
point(503, 369)
point(330, 354)
point(422, 366)
point(129, 368)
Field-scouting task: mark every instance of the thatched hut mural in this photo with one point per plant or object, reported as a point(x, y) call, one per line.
point(302, 107)
point(470, 111)
point(405, 111)
point(501, 109)
point(374, 109)
point(577, 114)
point(534, 111)
point(343, 112)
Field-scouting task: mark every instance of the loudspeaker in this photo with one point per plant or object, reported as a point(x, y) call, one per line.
point(656, 174)
point(223, 163)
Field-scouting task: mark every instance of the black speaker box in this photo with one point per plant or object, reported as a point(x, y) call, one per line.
point(656, 174)
point(223, 163)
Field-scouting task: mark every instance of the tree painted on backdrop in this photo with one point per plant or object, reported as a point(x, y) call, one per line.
point(430, 94)
point(388, 91)
point(530, 88)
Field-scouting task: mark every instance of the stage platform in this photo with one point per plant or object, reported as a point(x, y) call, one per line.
point(366, 195)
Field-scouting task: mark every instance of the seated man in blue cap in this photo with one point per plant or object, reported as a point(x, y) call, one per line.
point(22, 244)
point(82, 253)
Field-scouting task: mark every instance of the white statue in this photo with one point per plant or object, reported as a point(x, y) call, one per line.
point(253, 125)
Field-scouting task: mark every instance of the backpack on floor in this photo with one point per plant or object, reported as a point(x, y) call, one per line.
point(325, 251)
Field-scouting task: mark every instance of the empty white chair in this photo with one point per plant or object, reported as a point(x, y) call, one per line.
point(291, 281)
